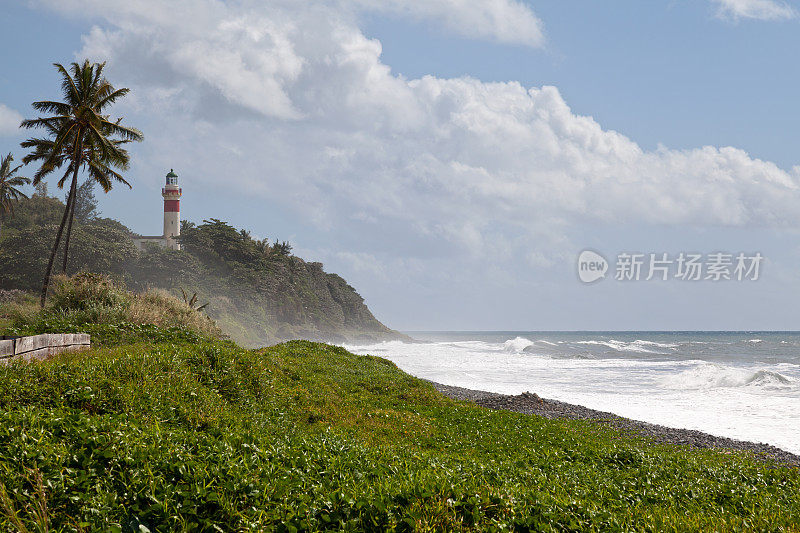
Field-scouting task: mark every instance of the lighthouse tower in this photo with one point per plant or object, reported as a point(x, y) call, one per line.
point(172, 211)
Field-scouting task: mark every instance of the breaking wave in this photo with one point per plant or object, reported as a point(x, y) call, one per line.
point(517, 345)
point(637, 346)
point(720, 383)
point(709, 376)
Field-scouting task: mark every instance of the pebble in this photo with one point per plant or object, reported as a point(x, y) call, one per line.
point(531, 403)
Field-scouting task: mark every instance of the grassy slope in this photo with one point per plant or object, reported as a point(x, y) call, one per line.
point(186, 435)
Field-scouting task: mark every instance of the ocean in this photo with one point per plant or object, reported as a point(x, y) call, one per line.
point(743, 385)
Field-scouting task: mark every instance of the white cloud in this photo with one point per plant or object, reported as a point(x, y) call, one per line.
point(755, 9)
point(247, 58)
point(505, 21)
point(9, 120)
point(363, 262)
point(291, 103)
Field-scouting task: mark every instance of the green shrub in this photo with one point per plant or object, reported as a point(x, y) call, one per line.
point(156, 306)
point(17, 307)
point(13, 296)
point(85, 291)
point(94, 304)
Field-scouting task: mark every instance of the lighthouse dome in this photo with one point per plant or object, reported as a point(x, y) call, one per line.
point(172, 178)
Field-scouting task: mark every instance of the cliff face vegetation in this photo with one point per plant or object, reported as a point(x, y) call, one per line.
point(257, 292)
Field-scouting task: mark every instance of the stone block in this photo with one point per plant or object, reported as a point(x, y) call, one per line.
point(28, 344)
point(6, 348)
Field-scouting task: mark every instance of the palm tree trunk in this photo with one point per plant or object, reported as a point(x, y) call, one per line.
point(71, 205)
point(77, 162)
point(49, 270)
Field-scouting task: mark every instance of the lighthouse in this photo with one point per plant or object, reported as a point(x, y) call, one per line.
point(171, 193)
point(172, 210)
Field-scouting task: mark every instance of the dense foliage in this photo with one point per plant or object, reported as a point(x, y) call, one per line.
point(10, 187)
point(206, 436)
point(258, 292)
point(94, 304)
point(98, 245)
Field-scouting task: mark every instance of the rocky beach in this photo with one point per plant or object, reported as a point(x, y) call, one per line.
point(533, 404)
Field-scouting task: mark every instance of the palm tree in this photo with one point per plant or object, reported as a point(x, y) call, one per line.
point(80, 136)
point(9, 191)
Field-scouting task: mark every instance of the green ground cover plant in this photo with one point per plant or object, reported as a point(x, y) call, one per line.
point(202, 435)
point(163, 426)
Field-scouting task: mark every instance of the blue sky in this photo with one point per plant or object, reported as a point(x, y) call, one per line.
point(659, 72)
point(451, 158)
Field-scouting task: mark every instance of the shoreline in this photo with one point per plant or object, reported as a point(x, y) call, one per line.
point(530, 403)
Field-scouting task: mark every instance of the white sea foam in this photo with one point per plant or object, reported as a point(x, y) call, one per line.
point(637, 346)
point(709, 376)
point(726, 393)
point(517, 345)
point(656, 344)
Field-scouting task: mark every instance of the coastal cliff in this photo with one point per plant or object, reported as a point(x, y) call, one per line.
point(258, 292)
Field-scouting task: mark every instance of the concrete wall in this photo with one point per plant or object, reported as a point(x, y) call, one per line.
point(38, 347)
point(141, 241)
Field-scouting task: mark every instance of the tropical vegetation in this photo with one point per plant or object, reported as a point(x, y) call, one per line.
point(167, 428)
point(165, 425)
point(78, 135)
point(10, 191)
point(258, 292)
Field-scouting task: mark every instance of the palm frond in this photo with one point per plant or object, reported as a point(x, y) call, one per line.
point(9, 185)
point(57, 153)
point(5, 165)
point(47, 106)
point(104, 175)
point(68, 87)
point(130, 134)
point(43, 122)
point(112, 97)
point(79, 135)
point(18, 181)
point(67, 173)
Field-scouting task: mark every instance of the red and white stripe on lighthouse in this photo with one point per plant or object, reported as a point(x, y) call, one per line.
point(172, 210)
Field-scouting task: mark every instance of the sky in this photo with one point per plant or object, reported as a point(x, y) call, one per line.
point(452, 158)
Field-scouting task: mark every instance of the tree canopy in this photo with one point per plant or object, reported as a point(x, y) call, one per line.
point(10, 187)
